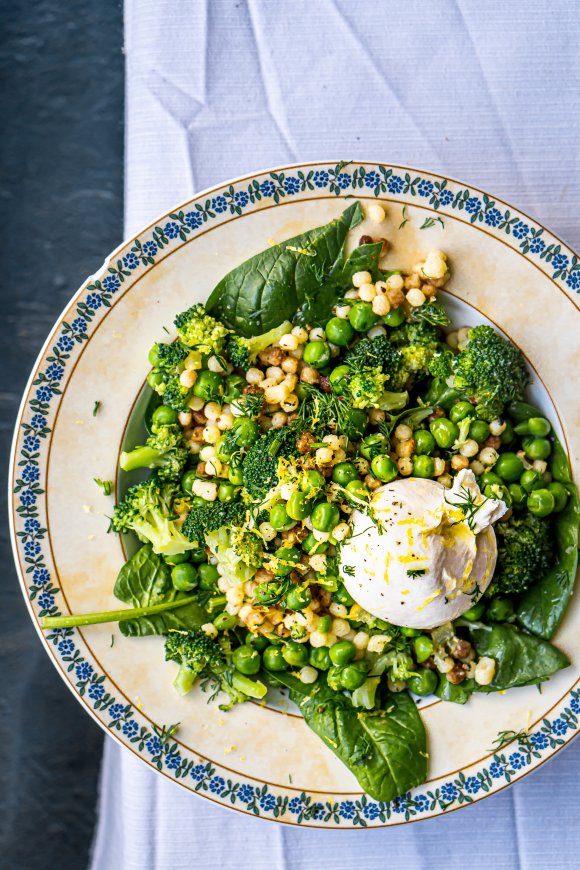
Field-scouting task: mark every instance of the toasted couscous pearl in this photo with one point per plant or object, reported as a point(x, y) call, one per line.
point(317, 639)
point(488, 456)
point(324, 455)
point(267, 531)
point(213, 467)
point(381, 305)
point(497, 427)
point(403, 432)
point(225, 420)
point(340, 531)
point(274, 373)
point(458, 462)
point(395, 282)
point(360, 278)
point(438, 466)
point(342, 311)
point(211, 433)
point(187, 378)
point(300, 334)
point(367, 292)
point(209, 629)
point(377, 643)
point(445, 480)
point(317, 334)
point(338, 609)
point(375, 331)
point(214, 365)
point(361, 640)
point(289, 342)
point(184, 418)
point(484, 671)
point(477, 467)
point(376, 213)
point(206, 489)
point(405, 466)
point(279, 419)
point(340, 627)
point(308, 674)
point(470, 448)
point(207, 452)
point(212, 410)
point(415, 297)
point(254, 376)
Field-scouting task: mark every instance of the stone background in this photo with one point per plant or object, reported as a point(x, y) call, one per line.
point(61, 136)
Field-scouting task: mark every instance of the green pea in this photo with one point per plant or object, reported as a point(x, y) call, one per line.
point(508, 435)
point(325, 516)
point(334, 678)
point(273, 659)
point(372, 445)
point(538, 426)
point(154, 356)
point(424, 683)
point(479, 431)
point(424, 442)
point(344, 472)
point(541, 502)
point(208, 576)
point(537, 448)
point(474, 613)
point(298, 507)
point(355, 424)
point(312, 482)
point(500, 609)
point(216, 604)
point(531, 479)
point(325, 623)
point(358, 489)
point(184, 577)
point(176, 558)
point(197, 554)
point(424, 647)
point(444, 431)
point(490, 478)
point(288, 559)
point(384, 468)
point(236, 474)
point(235, 386)
point(155, 379)
point(246, 660)
point(362, 317)
point(354, 675)
point(225, 621)
point(343, 596)
point(295, 654)
point(497, 490)
point(339, 331)
point(510, 467)
point(279, 518)
point(298, 597)
point(316, 354)
point(209, 386)
point(342, 652)
point(257, 641)
point(312, 547)
point(518, 494)
point(560, 494)
point(460, 411)
point(339, 378)
point(423, 466)
point(410, 632)
point(164, 416)
point(319, 657)
point(395, 317)
point(226, 492)
point(223, 448)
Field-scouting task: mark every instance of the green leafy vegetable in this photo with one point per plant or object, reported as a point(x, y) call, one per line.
point(284, 282)
point(521, 659)
point(385, 749)
point(458, 693)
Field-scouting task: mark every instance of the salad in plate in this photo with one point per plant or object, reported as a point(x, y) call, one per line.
point(345, 496)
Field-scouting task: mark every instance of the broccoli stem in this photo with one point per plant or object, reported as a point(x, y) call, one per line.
point(140, 457)
point(184, 680)
point(251, 688)
point(73, 620)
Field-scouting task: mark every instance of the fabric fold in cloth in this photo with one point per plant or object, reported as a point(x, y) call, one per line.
point(482, 92)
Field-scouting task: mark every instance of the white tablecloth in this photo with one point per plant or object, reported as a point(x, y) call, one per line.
point(484, 92)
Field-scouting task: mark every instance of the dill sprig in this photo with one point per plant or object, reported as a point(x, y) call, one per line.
point(324, 410)
point(416, 572)
point(430, 222)
point(105, 485)
point(96, 407)
point(364, 507)
point(250, 405)
point(431, 312)
point(467, 505)
point(413, 416)
point(405, 218)
point(505, 737)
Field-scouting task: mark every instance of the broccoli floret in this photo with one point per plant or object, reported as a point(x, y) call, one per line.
point(491, 369)
point(242, 352)
point(524, 553)
point(248, 545)
point(147, 510)
point(441, 364)
point(169, 356)
point(260, 467)
point(431, 312)
point(211, 516)
point(415, 332)
point(196, 654)
point(370, 353)
point(367, 390)
point(197, 329)
point(174, 394)
point(164, 450)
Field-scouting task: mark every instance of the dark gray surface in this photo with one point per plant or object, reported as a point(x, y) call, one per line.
point(61, 105)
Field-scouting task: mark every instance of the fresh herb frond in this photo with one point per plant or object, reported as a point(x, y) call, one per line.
point(467, 505)
point(505, 737)
point(430, 222)
point(364, 507)
point(250, 405)
point(431, 312)
point(96, 407)
point(348, 569)
point(416, 572)
point(405, 218)
point(324, 410)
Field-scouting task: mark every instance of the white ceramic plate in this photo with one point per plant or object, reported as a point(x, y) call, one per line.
point(262, 760)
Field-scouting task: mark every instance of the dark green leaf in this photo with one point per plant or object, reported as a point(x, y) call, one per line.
point(145, 580)
point(521, 659)
point(544, 604)
point(283, 282)
point(458, 694)
point(385, 749)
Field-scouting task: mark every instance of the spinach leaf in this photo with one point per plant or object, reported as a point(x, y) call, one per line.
point(544, 604)
point(145, 581)
point(458, 694)
point(520, 411)
point(385, 749)
point(521, 659)
point(285, 282)
point(441, 395)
